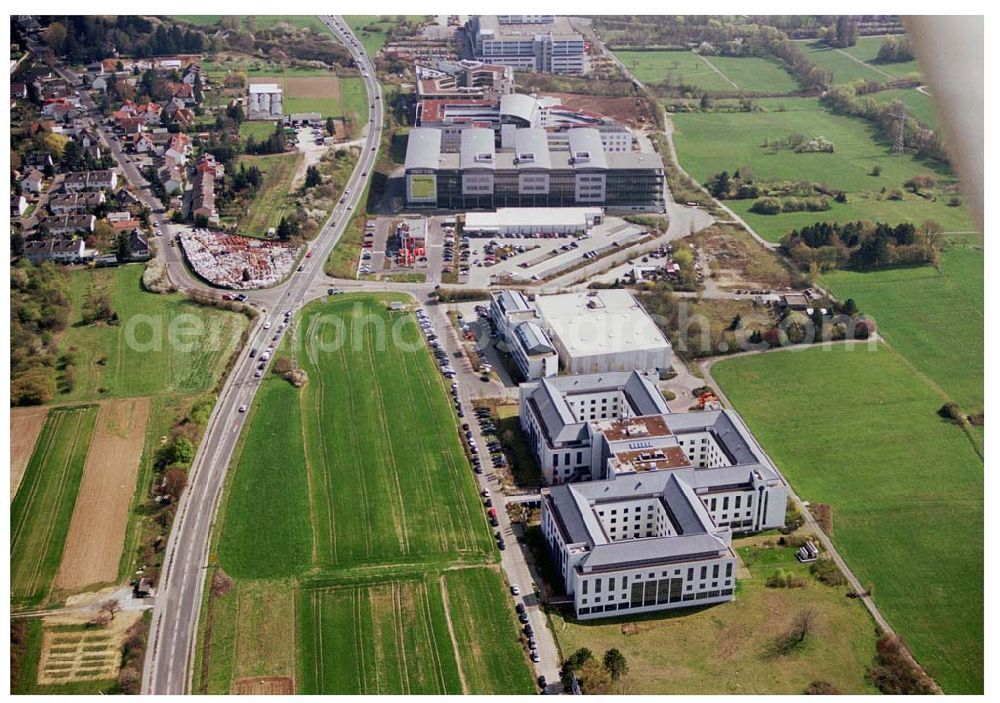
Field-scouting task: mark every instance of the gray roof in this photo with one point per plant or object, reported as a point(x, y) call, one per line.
point(533, 339)
point(560, 424)
point(531, 148)
point(586, 148)
point(478, 148)
point(511, 301)
point(636, 552)
point(519, 105)
point(423, 148)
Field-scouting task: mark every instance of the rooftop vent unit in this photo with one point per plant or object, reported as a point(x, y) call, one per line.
point(484, 157)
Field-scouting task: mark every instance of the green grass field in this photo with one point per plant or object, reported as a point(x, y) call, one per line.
point(844, 68)
point(260, 131)
point(723, 649)
point(366, 494)
point(919, 105)
point(849, 168)
point(354, 99)
point(751, 75)
point(274, 195)
point(859, 431)
point(867, 50)
point(389, 637)
point(934, 318)
point(269, 487)
point(161, 342)
point(393, 485)
point(25, 682)
point(485, 633)
point(43, 506)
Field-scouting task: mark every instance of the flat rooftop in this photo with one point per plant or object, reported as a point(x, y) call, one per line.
point(559, 26)
point(599, 322)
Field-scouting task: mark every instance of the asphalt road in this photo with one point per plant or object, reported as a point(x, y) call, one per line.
point(174, 630)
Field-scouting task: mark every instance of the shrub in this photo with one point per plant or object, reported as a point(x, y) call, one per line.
point(824, 516)
point(951, 411)
point(826, 571)
point(894, 673)
point(766, 206)
point(785, 579)
point(821, 688)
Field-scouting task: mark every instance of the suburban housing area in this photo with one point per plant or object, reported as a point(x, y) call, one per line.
point(495, 355)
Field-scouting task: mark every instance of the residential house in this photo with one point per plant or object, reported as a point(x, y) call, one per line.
point(171, 178)
point(90, 180)
point(141, 143)
point(40, 160)
point(32, 183)
point(138, 246)
point(18, 205)
point(69, 203)
point(192, 72)
point(182, 91)
point(203, 195)
point(126, 198)
point(69, 224)
point(67, 251)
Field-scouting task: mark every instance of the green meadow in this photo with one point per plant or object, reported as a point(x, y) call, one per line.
point(751, 138)
point(858, 430)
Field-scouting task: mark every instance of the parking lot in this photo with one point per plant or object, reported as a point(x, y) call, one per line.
point(379, 255)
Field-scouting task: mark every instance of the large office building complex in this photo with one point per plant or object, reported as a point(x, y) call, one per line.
point(645, 502)
point(590, 332)
point(511, 111)
point(543, 43)
point(439, 79)
point(529, 173)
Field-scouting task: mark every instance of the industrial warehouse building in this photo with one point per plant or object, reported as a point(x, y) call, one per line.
point(529, 43)
point(531, 220)
point(264, 101)
point(651, 529)
point(590, 332)
point(529, 173)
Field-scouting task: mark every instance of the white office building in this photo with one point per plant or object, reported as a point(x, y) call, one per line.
point(519, 333)
point(544, 43)
point(650, 525)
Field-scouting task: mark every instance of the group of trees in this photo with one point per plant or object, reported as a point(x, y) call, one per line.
point(863, 245)
point(842, 33)
point(594, 676)
point(84, 38)
point(274, 144)
point(39, 307)
point(853, 99)
point(895, 49)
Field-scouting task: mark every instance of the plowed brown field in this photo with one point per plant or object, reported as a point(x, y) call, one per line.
point(100, 516)
point(25, 425)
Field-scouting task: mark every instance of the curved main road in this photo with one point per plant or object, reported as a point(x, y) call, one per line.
point(174, 629)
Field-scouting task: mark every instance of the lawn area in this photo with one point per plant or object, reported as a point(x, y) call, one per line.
point(354, 99)
point(260, 131)
point(343, 261)
point(724, 649)
point(25, 682)
point(844, 68)
point(42, 508)
point(485, 633)
point(388, 637)
point(867, 50)
point(756, 75)
point(934, 318)
point(688, 68)
point(857, 430)
point(274, 194)
point(161, 343)
point(849, 168)
point(269, 486)
point(380, 25)
point(680, 67)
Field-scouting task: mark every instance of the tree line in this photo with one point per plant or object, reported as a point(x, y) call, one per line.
point(862, 245)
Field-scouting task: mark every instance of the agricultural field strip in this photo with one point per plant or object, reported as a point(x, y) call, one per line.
point(25, 426)
point(31, 542)
point(97, 529)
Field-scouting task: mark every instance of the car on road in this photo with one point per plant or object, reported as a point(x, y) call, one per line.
point(243, 408)
point(515, 590)
point(267, 325)
point(542, 683)
point(534, 656)
point(258, 373)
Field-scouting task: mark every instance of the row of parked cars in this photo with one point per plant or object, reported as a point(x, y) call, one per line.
point(432, 341)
